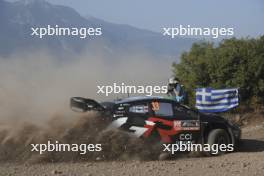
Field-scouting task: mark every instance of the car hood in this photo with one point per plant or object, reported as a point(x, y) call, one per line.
point(212, 118)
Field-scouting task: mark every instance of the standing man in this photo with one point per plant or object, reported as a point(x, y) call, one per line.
point(176, 90)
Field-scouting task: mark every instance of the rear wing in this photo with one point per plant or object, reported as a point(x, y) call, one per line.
point(79, 104)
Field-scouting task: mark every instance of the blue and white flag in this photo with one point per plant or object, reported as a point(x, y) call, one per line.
point(216, 100)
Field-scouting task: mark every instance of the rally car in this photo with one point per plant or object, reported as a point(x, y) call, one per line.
point(164, 119)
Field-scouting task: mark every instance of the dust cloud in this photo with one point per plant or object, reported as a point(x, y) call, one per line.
point(35, 89)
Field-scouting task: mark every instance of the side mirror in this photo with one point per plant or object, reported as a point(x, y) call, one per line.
point(79, 104)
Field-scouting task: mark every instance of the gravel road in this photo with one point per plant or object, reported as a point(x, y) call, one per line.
point(249, 160)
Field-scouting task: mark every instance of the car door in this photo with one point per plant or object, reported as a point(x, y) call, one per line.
point(161, 123)
point(172, 122)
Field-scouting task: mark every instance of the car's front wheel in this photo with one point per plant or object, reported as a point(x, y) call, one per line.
point(216, 139)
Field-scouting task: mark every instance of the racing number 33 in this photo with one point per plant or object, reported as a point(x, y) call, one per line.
point(155, 105)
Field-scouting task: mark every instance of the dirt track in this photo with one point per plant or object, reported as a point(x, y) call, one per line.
point(249, 160)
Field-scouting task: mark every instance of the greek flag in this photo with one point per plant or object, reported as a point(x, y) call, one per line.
point(216, 100)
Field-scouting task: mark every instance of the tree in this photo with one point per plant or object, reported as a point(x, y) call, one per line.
point(232, 63)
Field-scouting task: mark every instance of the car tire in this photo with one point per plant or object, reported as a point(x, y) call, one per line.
point(217, 136)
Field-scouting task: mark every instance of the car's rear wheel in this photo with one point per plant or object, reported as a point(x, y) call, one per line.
point(216, 138)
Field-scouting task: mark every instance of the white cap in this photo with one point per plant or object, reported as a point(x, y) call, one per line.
point(173, 81)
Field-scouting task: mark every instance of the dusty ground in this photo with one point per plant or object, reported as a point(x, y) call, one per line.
point(249, 160)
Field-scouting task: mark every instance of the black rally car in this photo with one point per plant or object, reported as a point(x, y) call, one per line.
point(163, 119)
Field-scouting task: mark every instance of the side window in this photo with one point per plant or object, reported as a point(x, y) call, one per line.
point(162, 109)
point(183, 113)
point(141, 108)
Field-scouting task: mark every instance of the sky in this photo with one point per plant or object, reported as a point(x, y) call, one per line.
point(245, 16)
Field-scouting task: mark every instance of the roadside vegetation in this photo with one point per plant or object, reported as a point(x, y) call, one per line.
point(231, 63)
